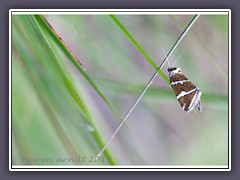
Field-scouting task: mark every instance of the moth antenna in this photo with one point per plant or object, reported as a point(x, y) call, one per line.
point(178, 58)
point(165, 56)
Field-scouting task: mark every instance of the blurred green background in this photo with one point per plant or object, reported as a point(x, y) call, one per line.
point(59, 118)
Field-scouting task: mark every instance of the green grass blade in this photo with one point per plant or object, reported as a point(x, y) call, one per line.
point(44, 27)
point(76, 96)
point(36, 61)
point(152, 78)
point(140, 49)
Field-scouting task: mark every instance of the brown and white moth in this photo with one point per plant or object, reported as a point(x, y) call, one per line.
point(187, 93)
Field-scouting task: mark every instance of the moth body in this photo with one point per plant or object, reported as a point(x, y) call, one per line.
point(186, 92)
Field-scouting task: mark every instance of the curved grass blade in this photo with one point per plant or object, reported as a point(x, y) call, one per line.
point(76, 96)
point(47, 30)
point(38, 60)
point(70, 51)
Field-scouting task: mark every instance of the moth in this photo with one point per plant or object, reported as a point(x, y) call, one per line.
point(187, 93)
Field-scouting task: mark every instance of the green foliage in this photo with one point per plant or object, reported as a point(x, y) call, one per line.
point(60, 111)
point(49, 84)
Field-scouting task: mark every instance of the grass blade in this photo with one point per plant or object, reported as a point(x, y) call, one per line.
point(151, 80)
point(139, 48)
point(41, 64)
point(44, 27)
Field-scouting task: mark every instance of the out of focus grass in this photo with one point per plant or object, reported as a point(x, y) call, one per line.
point(43, 75)
point(59, 111)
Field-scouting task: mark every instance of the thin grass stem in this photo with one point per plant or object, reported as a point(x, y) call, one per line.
point(149, 83)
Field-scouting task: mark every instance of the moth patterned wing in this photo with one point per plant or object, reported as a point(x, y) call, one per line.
point(185, 86)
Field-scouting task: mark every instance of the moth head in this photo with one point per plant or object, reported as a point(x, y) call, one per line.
point(174, 70)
